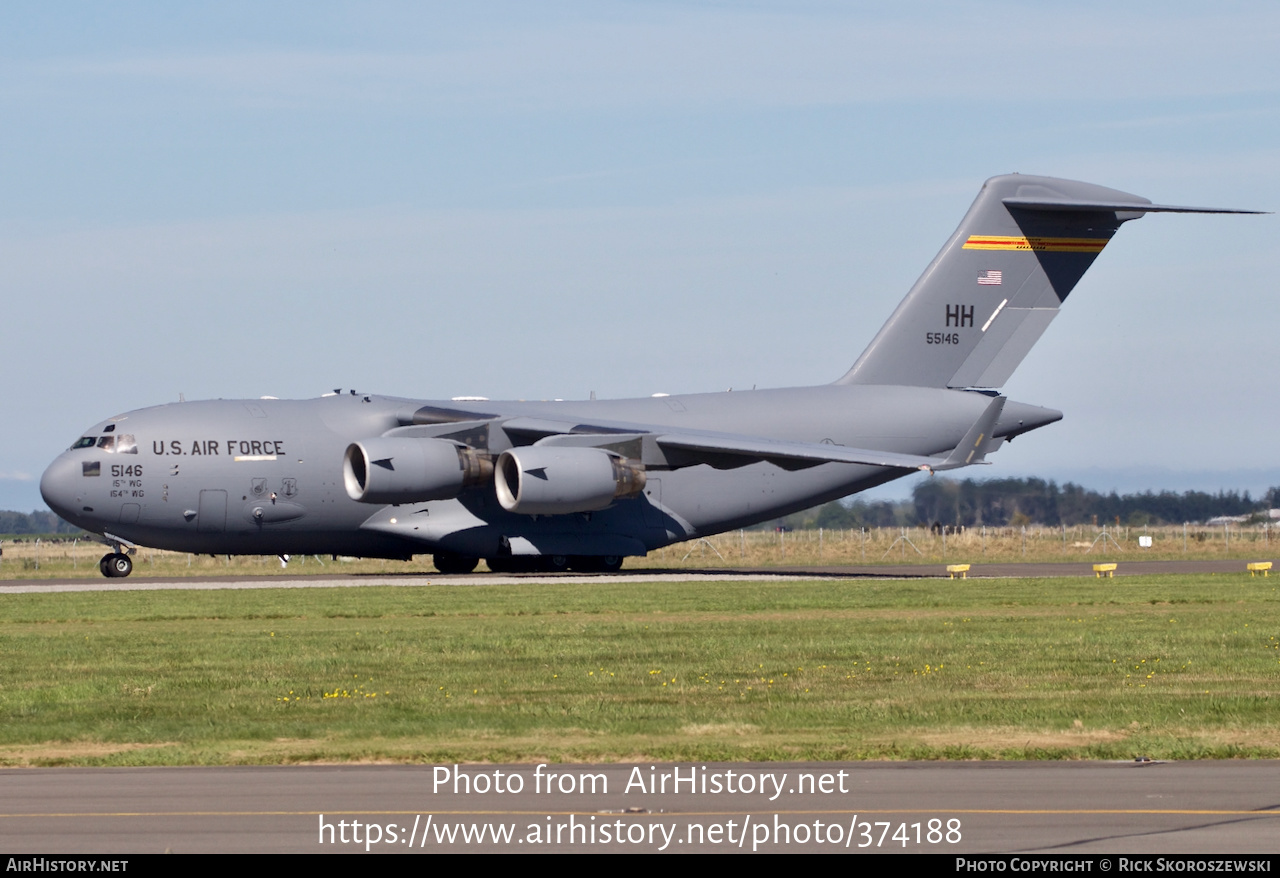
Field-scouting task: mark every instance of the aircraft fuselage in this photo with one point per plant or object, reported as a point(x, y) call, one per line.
point(265, 476)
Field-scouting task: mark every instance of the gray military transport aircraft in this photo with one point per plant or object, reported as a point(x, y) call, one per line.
point(584, 484)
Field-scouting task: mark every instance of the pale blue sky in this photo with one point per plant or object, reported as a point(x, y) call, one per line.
point(540, 200)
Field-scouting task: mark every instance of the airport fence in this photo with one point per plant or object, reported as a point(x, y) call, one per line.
point(919, 545)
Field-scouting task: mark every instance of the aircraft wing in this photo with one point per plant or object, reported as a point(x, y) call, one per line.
point(796, 455)
point(664, 448)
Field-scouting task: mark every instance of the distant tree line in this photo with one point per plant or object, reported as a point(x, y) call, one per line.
point(1013, 502)
point(38, 522)
point(849, 515)
point(1004, 502)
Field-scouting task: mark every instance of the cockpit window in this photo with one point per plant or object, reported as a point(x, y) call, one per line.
point(122, 444)
point(85, 442)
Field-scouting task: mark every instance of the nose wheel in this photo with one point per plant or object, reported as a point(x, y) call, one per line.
point(115, 565)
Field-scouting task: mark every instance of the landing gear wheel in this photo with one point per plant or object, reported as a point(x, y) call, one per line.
point(448, 562)
point(596, 563)
point(115, 565)
point(555, 563)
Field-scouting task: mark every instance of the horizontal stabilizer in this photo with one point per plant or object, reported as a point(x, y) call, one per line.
point(1120, 206)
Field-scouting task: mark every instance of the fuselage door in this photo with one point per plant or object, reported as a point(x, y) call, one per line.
point(213, 512)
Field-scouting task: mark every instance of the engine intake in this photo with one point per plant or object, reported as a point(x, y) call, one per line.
point(411, 470)
point(552, 480)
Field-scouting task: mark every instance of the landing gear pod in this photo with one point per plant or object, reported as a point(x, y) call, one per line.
point(411, 470)
point(555, 481)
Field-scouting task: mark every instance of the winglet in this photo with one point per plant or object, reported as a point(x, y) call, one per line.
point(973, 447)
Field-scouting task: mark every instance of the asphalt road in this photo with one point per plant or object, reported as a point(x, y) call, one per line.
point(1061, 808)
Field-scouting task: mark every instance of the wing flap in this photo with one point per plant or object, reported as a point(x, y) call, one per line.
point(741, 450)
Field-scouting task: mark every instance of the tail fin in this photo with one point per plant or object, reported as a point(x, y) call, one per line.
point(993, 290)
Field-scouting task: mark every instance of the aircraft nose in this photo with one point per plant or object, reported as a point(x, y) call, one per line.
point(59, 487)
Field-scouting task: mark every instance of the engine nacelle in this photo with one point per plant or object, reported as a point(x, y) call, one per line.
point(555, 480)
point(386, 470)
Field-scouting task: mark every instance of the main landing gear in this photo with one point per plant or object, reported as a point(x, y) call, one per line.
point(447, 562)
point(115, 565)
point(596, 563)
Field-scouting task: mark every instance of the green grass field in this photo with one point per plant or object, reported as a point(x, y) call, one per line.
point(1166, 667)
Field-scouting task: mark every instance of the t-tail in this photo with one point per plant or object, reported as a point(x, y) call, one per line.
point(986, 299)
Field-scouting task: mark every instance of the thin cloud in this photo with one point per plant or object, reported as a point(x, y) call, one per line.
point(687, 57)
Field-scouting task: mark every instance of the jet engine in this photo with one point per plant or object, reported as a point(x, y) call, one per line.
point(411, 470)
point(557, 480)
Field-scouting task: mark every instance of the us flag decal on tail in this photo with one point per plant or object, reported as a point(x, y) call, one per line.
point(991, 278)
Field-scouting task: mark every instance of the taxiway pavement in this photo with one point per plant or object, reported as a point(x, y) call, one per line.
point(735, 574)
point(994, 807)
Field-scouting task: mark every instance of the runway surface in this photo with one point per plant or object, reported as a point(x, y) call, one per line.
point(1061, 808)
point(736, 574)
